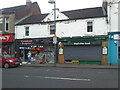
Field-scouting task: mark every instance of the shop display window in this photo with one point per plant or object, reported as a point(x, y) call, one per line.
point(119, 50)
point(5, 49)
point(0, 50)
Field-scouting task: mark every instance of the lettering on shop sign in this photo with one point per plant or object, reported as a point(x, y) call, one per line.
point(82, 43)
point(26, 42)
point(5, 38)
point(116, 36)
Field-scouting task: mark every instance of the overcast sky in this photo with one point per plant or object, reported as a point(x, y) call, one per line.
point(63, 5)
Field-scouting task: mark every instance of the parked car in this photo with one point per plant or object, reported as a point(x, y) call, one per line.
point(7, 61)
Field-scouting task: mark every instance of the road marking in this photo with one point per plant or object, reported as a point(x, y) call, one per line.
point(59, 78)
point(47, 70)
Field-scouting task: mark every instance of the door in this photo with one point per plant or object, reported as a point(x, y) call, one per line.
point(5, 49)
point(0, 60)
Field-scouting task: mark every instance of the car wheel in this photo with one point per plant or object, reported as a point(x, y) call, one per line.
point(6, 65)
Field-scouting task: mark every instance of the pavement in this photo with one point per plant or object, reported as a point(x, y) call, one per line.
point(88, 66)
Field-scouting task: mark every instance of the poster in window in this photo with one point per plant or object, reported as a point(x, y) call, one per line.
point(61, 51)
point(104, 50)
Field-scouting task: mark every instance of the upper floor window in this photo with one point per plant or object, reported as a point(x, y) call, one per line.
point(89, 26)
point(1, 21)
point(26, 31)
point(6, 24)
point(52, 29)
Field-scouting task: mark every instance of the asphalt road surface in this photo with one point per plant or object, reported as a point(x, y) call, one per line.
point(52, 77)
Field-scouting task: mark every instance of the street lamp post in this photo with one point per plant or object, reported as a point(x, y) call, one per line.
point(53, 2)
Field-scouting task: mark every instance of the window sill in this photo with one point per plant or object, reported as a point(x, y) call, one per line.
point(89, 34)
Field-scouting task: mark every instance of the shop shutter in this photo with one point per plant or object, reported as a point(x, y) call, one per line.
point(86, 53)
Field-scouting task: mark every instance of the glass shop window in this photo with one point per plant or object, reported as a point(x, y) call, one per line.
point(119, 52)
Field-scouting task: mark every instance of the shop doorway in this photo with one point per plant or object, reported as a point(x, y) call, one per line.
point(5, 49)
point(25, 54)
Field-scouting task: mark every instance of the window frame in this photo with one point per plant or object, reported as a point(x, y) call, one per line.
point(6, 24)
point(1, 23)
point(89, 27)
point(27, 31)
point(52, 31)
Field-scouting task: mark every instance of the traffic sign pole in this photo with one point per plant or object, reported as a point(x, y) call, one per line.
point(55, 42)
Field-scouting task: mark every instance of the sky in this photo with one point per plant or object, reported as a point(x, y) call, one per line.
point(63, 5)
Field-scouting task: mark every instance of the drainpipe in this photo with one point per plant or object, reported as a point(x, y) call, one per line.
point(110, 31)
point(109, 27)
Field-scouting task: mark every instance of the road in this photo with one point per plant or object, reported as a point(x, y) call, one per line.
point(53, 77)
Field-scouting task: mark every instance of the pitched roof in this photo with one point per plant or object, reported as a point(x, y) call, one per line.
point(33, 19)
point(85, 13)
point(12, 10)
point(73, 15)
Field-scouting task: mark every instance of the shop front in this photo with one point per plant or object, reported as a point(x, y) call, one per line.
point(42, 47)
point(114, 48)
point(7, 44)
point(83, 50)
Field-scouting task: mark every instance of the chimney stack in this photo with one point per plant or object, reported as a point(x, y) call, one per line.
point(28, 2)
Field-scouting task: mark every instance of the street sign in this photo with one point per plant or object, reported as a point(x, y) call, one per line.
point(54, 39)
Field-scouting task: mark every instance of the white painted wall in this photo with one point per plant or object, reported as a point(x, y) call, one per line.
point(64, 29)
point(119, 16)
point(79, 28)
point(74, 28)
point(36, 31)
point(113, 16)
point(59, 16)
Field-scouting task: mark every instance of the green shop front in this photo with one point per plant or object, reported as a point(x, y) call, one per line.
point(83, 50)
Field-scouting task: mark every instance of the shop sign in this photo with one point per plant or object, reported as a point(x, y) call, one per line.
point(6, 38)
point(116, 36)
point(104, 50)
